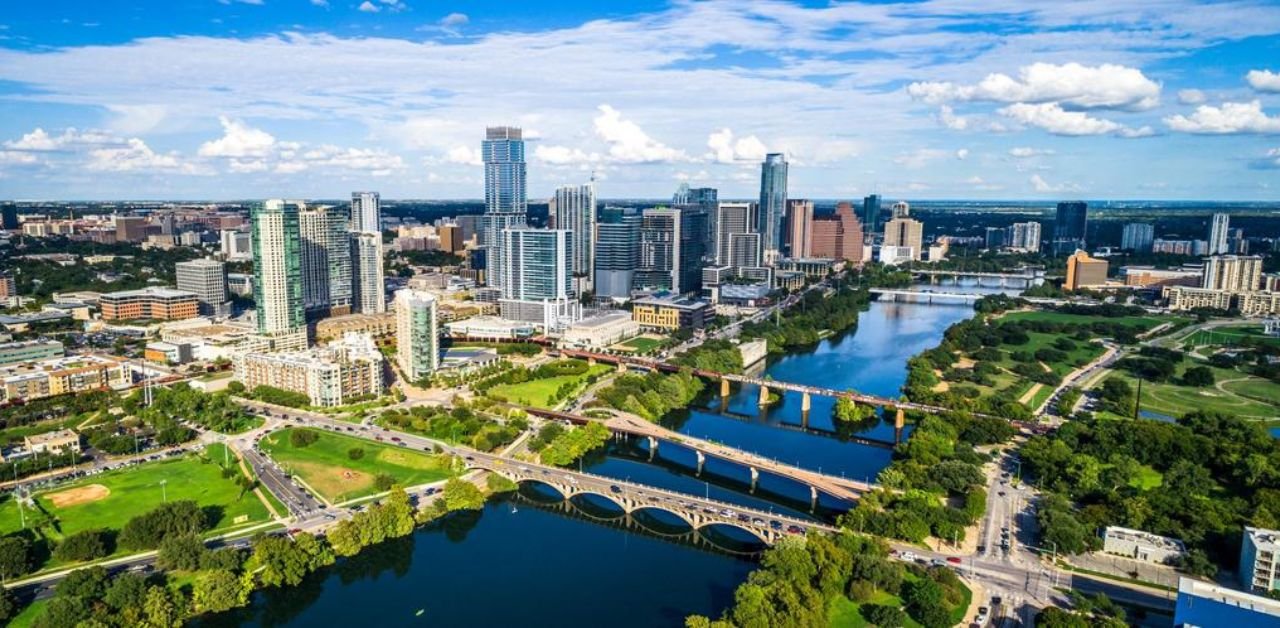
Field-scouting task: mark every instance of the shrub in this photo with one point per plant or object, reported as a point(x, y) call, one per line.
point(86, 545)
point(302, 438)
point(384, 482)
point(355, 453)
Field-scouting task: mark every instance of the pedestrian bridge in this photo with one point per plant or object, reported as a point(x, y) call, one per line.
point(696, 512)
point(924, 296)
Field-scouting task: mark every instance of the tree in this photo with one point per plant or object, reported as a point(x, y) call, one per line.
point(81, 546)
point(181, 552)
point(127, 592)
point(8, 605)
point(15, 556)
point(147, 530)
point(1198, 376)
point(384, 481)
point(89, 584)
point(219, 590)
point(883, 615)
point(355, 453)
point(462, 495)
point(62, 611)
point(163, 608)
point(302, 437)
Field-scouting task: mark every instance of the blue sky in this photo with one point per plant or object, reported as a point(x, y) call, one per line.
point(1002, 99)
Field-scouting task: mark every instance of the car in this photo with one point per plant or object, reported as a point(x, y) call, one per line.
point(955, 560)
point(908, 556)
point(795, 529)
point(395, 439)
point(1001, 493)
point(938, 562)
point(776, 525)
point(614, 488)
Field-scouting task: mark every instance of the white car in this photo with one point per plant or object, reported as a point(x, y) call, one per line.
point(908, 556)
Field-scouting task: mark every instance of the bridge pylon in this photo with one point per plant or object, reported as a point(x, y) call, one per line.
point(755, 478)
point(764, 396)
point(899, 420)
point(702, 461)
point(805, 402)
point(724, 387)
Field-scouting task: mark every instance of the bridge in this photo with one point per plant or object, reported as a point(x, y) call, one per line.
point(1026, 278)
point(840, 488)
point(924, 296)
point(698, 513)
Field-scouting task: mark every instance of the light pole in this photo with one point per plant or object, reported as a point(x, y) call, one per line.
point(164, 493)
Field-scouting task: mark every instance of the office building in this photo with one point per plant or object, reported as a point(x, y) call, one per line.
point(277, 268)
point(1084, 271)
point(705, 199)
point(1236, 242)
point(871, 213)
point(329, 376)
point(904, 234)
point(1142, 546)
point(1138, 237)
point(417, 333)
point(1232, 273)
point(208, 280)
point(1189, 298)
point(8, 287)
point(601, 331)
point(731, 219)
point(161, 304)
point(996, 238)
point(798, 236)
point(670, 313)
point(838, 236)
point(575, 212)
point(368, 290)
point(901, 209)
point(773, 203)
point(1258, 304)
point(131, 228)
point(30, 350)
point(1152, 277)
point(1024, 236)
point(1219, 226)
point(9, 217)
point(326, 264)
point(1205, 605)
point(1069, 226)
point(505, 202)
point(1180, 247)
point(617, 237)
point(538, 263)
point(658, 251)
point(744, 250)
point(236, 245)
point(366, 212)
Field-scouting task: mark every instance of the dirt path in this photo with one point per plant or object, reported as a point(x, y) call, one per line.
point(1030, 394)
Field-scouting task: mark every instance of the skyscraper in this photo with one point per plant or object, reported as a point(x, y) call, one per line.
point(904, 233)
point(208, 280)
point(659, 250)
point(773, 203)
point(617, 234)
point(1219, 226)
point(366, 212)
point(539, 263)
point(9, 216)
point(871, 213)
point(1138, 237)
point(326, 261)
point(576, 212)
point(277, 269)
point(368, 294)
point(901, 209)
point(732, 218)
point(1232, 273)
point(417, 333)
point(505, 203)
point(1025, 236)
point(839, 236)
point(799, 224)
point(1069, 227)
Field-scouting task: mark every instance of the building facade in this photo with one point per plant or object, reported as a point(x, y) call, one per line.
point(1232, 273)
point(329, 376)
point(1219, 232)
point(575, 212)
point(24, 381)
point(506, 204)
point(161, 304)
point(904, 233)
point(277, 267)
point(658, 251)
point(1187, 298)
point(798, 236)
point(1084, 271)
point(369, 286)
point(208, 280)
point(1138, 237)
point(838, 236)
point(539, 263)
point(366, 212)
point(617, 252)
point(1260, 560)
point(773, 203)
point(417, 333)
point(1069, 226)
point(871, 213)
point(732, 219)
point(326, 265)
point(670, 313)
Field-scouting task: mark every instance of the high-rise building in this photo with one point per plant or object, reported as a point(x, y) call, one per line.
point(1219, 225)
point(505, 202)
point(576, 212)
point(1138, 237)
point(538, 263)
point(773, 203)
point(901, 209)
point(208, 280)
point(1084, 271)
point(326, 261)
point(277, 267)
point(693, 246)
point(732, 218)
point(1024, 236)
point(9, 217)
point(1069, 226)
point(1236, 242)
point(904, 233)
point(996, 238)
point(366, 212)
point(838, 236)
point(1232, 273)
point(368, 289)
point(617, 235)
point(131, 228)
point(744, 250)
point(871, 213)
point(658, 254)
point(236, 245)
point(451, 240)
point(799, 240)
point(417, 333)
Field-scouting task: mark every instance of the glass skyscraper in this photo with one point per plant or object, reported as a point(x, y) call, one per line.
point(1069, 227)
point(617, 232)
point(773, 202)
point(326, 261)
point(505, 203)
point(871, 214)
point(366, 212)
point(277, 267)
point(538, 264)
point(417, 333)
point(575, 210)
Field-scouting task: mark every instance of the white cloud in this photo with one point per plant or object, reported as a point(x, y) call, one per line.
point(369, 7)
point(1024, 152)
point(701, 175)
point(1230, 118)
point(238, 140)
point(247, 165)
point(39, 140)
point(1040, 185)
point(1270, 161)
point(920, 158)
point(726, 150)
point(1264, 80)
point(564, 155)
point(1103, 86)
point(136, 156)
point(320, 3)
point(455, 19)
point(1191, 96)
point(1053, 118)
point(628, 143)
point(962, 154)
point(466, 155)
point(979, 184)
point(949, 119)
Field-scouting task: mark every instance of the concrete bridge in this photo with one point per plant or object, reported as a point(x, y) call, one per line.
point(1028, 277)
point(696, 512)
point(924, 296)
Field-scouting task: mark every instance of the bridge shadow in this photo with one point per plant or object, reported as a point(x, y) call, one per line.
point(649, 522)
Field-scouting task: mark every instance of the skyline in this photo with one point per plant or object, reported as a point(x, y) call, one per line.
point(1157, 100)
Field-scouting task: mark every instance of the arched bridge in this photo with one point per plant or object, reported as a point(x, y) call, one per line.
point(696, 512)
point(924, 296)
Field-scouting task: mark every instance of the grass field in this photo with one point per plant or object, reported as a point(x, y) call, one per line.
point(326, 466)
point(1145, 322)
point(1236, 393)
point(1231, 336)
point(538, 392)
point(110, 499)
point(845, 613)
point(28, 616)
point(639, 344)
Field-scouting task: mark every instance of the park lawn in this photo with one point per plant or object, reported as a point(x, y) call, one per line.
point(1148, 478)
point(1145, 322)
point(640, 344)
point(845, 613)
point(27, 617)
point(326, 466)
point(15, 434)
point(111, 499)
point(1231, 336)
point(538, 392)
point(1176, 400)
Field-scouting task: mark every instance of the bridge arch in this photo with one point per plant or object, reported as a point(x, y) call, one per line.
point(752, 530)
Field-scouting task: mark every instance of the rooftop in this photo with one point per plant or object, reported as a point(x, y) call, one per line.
point(1146, 538)
point(1264, 539)
point(603, 320)
point(54, 437)
point(163, 293)
point(1231, 597)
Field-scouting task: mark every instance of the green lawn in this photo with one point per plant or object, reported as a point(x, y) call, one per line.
point(1145, 322)
point(1247, 396)
point(28, 616)
point(845, 613)
point(1148, 478)
point(538, 392)
point(327, 467)
point(110, 499)
point(640, 344)
point(1231, 336)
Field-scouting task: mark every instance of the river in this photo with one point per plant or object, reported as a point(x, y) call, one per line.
point(520, 562)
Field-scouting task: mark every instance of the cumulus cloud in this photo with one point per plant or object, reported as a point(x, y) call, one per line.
point(949, 119)
point(1264, 80)
point(39, 140)
point(136, 156)
point(564, 155)
point(1104, 86)
point(1025, 152)
point(1053, 118)
point(465, 155)
point(369, 7)
point(628, 143)
point(1040, 185)
point(1230, 118)
point(726, 149)
point(920, 158)
point(1270, 161)
point(238, 140)
point(1190, 96)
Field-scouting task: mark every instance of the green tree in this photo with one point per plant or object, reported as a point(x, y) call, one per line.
point(8, 605)
point(219, 590)
point(384, 482)
point(355, 453)
point(302, 437)
point(1198, 376)
point(178, 518)
point(163, 608)
point(182, 552)
point(81, 546)
point(883, 615)
point(459, 494)
point(15, 556)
